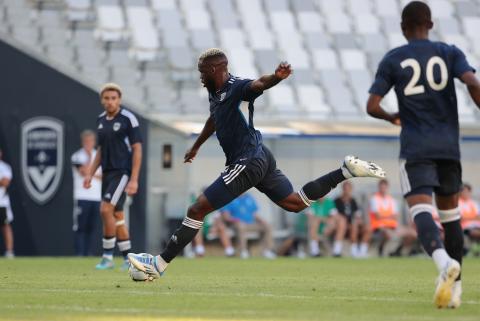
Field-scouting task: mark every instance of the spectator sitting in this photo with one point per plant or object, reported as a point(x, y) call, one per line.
point(469, 210)
point(241, 213)
point(318, 216)
point(349, 220)
point(384, 219)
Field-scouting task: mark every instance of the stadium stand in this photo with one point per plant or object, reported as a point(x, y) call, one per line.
point(150, 47)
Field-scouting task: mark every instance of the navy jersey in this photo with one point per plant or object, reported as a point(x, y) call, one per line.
point(422, 73)
point(232, 111)
point(115, 137)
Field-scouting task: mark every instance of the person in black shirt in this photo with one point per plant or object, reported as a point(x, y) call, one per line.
point(349, 219)
point(120, 155)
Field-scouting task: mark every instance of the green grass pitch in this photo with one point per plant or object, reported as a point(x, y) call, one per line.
point(232, 289)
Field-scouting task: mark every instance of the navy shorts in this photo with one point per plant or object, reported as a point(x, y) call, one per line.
point(440, 176)
point(260, 172)
point(113, 188)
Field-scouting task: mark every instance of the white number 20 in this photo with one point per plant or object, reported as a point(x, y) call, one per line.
point(412, 88)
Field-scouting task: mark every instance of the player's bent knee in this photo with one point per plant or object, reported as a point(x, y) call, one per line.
point(196, 212)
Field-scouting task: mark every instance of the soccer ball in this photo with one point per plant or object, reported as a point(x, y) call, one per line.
point(138, 275)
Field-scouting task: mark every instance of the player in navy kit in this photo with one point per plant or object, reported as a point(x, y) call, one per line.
point(120, 155)
point(422, 74)
point(249, 162)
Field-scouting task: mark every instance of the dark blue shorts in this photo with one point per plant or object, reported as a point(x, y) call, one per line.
point(113, 188)
point(260, 172)
point(440, 176)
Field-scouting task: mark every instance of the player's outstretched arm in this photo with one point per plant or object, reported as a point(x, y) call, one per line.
point(376, 111)
point(268, 81)
point(473, 86)
point(207, 131)
point(93, 168)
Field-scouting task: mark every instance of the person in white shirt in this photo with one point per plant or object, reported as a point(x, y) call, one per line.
point(6, 214)
point(86, 211)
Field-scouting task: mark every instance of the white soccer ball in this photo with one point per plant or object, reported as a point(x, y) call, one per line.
point(138, 275)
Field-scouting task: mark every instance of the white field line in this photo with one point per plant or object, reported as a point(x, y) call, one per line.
point(223, 294)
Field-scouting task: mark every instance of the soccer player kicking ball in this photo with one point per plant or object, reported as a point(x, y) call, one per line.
point(120, 155)
point(422, 73)
point(249, 162)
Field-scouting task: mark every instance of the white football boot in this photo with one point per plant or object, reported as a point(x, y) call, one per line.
point(355, 167)
point(445, 282)
point(456, 299)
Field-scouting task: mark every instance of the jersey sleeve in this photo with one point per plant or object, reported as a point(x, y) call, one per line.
point(6, 172)
point(134, 134)
point(383, 78)
point(246, 92)
point(78, 160)
point(460, 63)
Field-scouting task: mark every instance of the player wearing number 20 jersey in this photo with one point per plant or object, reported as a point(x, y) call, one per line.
point(423, 73)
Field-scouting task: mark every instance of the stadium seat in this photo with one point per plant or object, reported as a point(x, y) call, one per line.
point(386, 8)
point(360, 81)
point(373, 43)
point(324, 59)
point(353, 59)
point(338, 22)
point(198, 19)
point(110, 23)
point(169, 20)
point(232, 39)
point(261, 39)
point(441, 8)
point(83, 38)
point(282, 99)
point(202, 39)
point(267, 60)
point(78, 10)
point(144, 36)
point(366, 24)
point(396, 40)
point(471, 25)
point(328, 7)
point(162, 4)
point(282, 21)
point(301, 6)
point(345, 41)
point(288, 40)
point(276, 5)
point(317, 40)
point(341, 99)
point(298, 57)
point(310, 21)
point(303, 77)
point(311, 99)
point(359, 7)
point(242, 63)
point(467, 8)
point(225, 19)
point(447, 26)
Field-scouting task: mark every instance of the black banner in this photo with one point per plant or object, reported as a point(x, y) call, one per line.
point(42, 113)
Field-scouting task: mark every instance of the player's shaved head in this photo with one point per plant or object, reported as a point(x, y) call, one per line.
point(416, 14)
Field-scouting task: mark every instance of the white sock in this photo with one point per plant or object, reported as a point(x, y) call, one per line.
point(314, 248)
point(229, 251)
point(200, 250)
point(363, 249)
point(161, 264)
point(108, 256)
point(346, 173)
point(337, 247)
point(354, 250)
point(441, 258)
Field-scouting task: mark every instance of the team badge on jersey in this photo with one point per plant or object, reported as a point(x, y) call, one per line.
point(42, 157)
point(116, 126)
point(100, 126)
